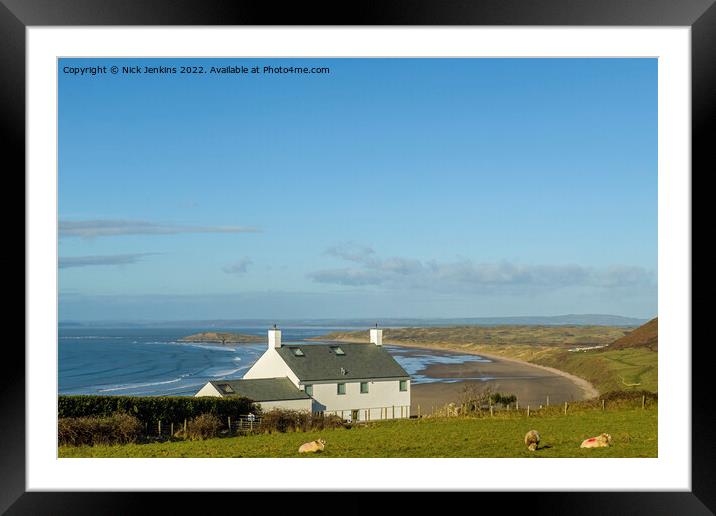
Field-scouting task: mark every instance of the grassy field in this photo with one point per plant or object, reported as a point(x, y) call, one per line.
point(634, 433)
point(606, 369)
point(621, 369)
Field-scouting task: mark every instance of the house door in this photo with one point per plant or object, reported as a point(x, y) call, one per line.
point(354, 415)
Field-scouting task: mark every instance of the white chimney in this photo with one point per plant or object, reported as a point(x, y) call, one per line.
point(376, 336)
point(274, 338)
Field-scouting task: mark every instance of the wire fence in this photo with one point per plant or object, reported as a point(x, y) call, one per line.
point(240, 425)
point(372, 413)
point(642, 402)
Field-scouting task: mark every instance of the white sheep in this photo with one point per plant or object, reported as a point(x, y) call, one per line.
point(313, 446)
point(599, 441)
point(532, 440)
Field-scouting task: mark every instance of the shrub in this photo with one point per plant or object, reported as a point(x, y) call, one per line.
point(149, 409)
point(327, 422)
point(284, 420)
point(119, 428)
point(475, 398)
point(502, 399)
point(204, 426)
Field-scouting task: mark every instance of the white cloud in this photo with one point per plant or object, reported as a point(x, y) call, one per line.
point(66, 262)
point(468, 276)
point(103, 228)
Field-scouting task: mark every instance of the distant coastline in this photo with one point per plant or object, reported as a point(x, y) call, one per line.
point(361, 323)
point(222, 338)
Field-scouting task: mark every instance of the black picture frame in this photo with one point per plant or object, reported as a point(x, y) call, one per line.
point(700, 15)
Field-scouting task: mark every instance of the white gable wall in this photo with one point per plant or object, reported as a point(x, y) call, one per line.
point(271, 365)
point(208, 390)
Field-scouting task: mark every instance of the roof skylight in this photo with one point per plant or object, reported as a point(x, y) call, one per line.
point(226, 388)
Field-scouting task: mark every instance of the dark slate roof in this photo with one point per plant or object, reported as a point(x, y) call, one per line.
point(360, 361)
point(262, 389)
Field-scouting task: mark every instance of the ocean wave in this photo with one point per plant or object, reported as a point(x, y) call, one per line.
point(138, 385)
point(88, 337)
point(221, 374)
point(213, 348)
point(186, 387)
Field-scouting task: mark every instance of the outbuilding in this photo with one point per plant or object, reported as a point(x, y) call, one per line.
point(269, 392)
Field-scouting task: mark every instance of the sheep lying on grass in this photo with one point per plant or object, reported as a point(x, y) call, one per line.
point(599, 441)
point(532, 440)
point(313, 446)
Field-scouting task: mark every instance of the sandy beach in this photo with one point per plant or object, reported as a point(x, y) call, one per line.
point(532, 384)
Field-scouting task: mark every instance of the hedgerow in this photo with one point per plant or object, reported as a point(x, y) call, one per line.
point(286, 420)
point(118, 428)
point(150, 409)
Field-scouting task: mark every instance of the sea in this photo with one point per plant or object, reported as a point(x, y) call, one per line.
point(154, 362)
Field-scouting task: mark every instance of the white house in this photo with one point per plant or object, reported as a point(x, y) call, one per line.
point(358, 382)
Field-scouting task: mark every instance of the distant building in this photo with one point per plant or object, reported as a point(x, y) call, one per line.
point(358, 382)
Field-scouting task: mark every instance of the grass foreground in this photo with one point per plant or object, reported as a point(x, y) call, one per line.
point(633, 430)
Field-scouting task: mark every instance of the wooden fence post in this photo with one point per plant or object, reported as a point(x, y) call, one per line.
point(548, 400)
point(418, 411)
point(171, 430)
point(490, 410)
point(602, 404)
point(565, 408)
point(643, 401)
point(160, 427)
point(528, 411)
point(229, 420)
point(185, 428)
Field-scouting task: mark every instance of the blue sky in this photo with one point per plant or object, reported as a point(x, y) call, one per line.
point(386, 188)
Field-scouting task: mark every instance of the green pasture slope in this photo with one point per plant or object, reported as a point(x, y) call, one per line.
point(614, 370)
point(634, 433)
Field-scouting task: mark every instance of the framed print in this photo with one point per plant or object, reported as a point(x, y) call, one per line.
point(430, 247)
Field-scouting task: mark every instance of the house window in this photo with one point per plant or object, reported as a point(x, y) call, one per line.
point(403, 385)
point(341, 388)
point(309, 390)
point(364, 387)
